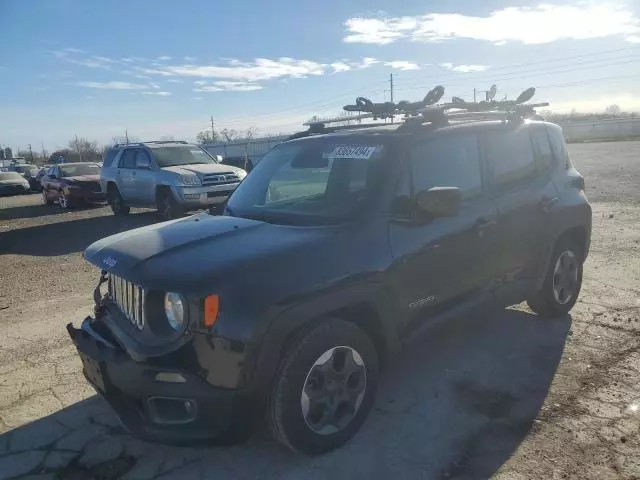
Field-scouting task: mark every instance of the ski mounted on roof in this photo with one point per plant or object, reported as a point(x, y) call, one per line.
point(427, 111)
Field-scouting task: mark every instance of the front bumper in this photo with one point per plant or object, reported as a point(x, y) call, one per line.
point(86, 196)
point(199, 197)
point(184, 410)
point(13, 189)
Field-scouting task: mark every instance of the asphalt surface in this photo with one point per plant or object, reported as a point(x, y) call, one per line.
point(503, 394)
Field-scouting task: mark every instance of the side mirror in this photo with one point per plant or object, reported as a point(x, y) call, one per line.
point(439, 201)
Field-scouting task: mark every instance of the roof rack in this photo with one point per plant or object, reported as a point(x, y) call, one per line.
point(427, 111)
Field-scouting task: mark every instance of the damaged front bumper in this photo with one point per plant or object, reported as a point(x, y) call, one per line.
point(155, 401)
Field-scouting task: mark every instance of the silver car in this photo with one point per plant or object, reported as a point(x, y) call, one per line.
point(173, 177)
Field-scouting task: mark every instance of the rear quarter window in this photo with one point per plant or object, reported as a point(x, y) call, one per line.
point(559, 146)
point(510, 158)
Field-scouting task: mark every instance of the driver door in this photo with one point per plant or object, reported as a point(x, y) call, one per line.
point(441, 261)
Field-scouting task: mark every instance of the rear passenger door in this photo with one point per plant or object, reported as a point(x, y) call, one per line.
point(521, 186)
point(143, 184)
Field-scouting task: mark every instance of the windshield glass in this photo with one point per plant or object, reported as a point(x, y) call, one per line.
point(75, 170)
point(23, 168)
point(10, 176)
point(181, 155)
point(313, 181)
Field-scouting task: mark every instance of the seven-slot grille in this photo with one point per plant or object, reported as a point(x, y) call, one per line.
point(129, 298)
point(220, 178)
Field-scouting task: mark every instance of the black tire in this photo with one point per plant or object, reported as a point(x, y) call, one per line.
point(118, 207)
point(284, 416)
point(546, 302)
point(64, 202)
point(168, 207)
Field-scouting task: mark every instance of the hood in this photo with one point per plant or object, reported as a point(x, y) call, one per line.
point(14, 181)
point(202, 168)
point(191, 253)
point(83, 178)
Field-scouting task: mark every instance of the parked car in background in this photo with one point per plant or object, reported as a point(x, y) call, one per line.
point(29, 172)
point(172, 176)
point(71, 184)
point(12, 183)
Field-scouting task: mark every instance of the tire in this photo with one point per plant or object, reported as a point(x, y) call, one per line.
point(45, 200)
point(168, 207)
point(64, 202)
point(118, 207)
point(299, 367)
point(548, 301)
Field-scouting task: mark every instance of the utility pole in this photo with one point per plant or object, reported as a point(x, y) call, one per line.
point(44, 160)
point(391, 90)
point(126, 135)
point(213, 132)
point(78, 148)
point(474, 95)
point(30, 153)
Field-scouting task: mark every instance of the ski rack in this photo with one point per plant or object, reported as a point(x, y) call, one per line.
point(426, 111)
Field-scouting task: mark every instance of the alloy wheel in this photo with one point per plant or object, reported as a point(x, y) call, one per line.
point(333, 390)
point(565, 277)
point(63, 201)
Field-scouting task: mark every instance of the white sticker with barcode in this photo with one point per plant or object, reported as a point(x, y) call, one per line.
point(358, 152)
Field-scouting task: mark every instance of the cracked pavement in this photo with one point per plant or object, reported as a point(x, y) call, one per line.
point(505, 394)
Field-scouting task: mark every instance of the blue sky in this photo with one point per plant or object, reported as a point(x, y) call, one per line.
point(161, 68)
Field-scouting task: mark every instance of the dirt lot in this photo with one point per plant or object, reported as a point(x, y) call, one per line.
point(506, 395)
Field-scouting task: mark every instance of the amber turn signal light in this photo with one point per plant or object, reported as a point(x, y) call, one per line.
point(211, 307)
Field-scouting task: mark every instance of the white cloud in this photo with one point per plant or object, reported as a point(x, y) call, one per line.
point(73, 50)
point(163, 58)
point(365, 63)
point(200, 82)
point(161, 94)
point(196, 98)
point(340, 67)
point(174, 80)
point(189, 59)
point(530, 25)
point(112, 85)
point(229, 86)
point(464, 68)
point(402, 65)
point(258, 70)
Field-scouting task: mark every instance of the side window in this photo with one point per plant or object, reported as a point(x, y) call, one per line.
point(402, 205)
point(510, 158)
point(448, 161)
point(142, 159)
point(128, 158)
point(542, 150)
point(111, 155)
point(559, 147)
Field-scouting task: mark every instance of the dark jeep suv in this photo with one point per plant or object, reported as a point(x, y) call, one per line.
point(337, 247)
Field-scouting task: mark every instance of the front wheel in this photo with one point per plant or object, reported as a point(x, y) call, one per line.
point(118, 207)
point(561, 287)
point(324, 389)
point(168, 207)
point(63, 200)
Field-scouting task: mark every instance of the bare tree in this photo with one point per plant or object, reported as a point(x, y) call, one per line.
point(8, 153)
point(229, 134)
point(613, 110)
point(206, 136)
point(124, 139)
point(86, 150)
point(251, 133)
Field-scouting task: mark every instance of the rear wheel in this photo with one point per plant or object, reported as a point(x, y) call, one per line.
point(324, 389)
point(561, 287)
point(118, 207)
point(168, 207)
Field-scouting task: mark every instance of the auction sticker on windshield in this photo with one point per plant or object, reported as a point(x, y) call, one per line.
point(357, 152)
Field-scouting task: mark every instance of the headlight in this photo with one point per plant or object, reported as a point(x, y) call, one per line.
point(241, 174)
point(190, 180)
point(174, 307)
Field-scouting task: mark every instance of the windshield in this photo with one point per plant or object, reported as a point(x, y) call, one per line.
point(10, 176)
point(23, 168)
point(181, 155)
point(75, 170)
point(312, 181)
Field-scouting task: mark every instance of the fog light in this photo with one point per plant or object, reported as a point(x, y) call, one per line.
point(170, 377)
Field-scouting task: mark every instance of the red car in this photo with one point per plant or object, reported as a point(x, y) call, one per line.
point(72, 183)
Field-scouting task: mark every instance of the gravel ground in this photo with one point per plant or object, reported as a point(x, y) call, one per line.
point(507, 395)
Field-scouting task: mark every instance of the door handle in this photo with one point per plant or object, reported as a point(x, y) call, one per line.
point(547, 203)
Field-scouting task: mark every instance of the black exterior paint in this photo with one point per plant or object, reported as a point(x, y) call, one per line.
point(272, 279)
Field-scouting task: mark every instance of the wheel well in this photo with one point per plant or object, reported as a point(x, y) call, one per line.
point(576, 235)
point(161, 190)
point(361, 314)
point(110, 187)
